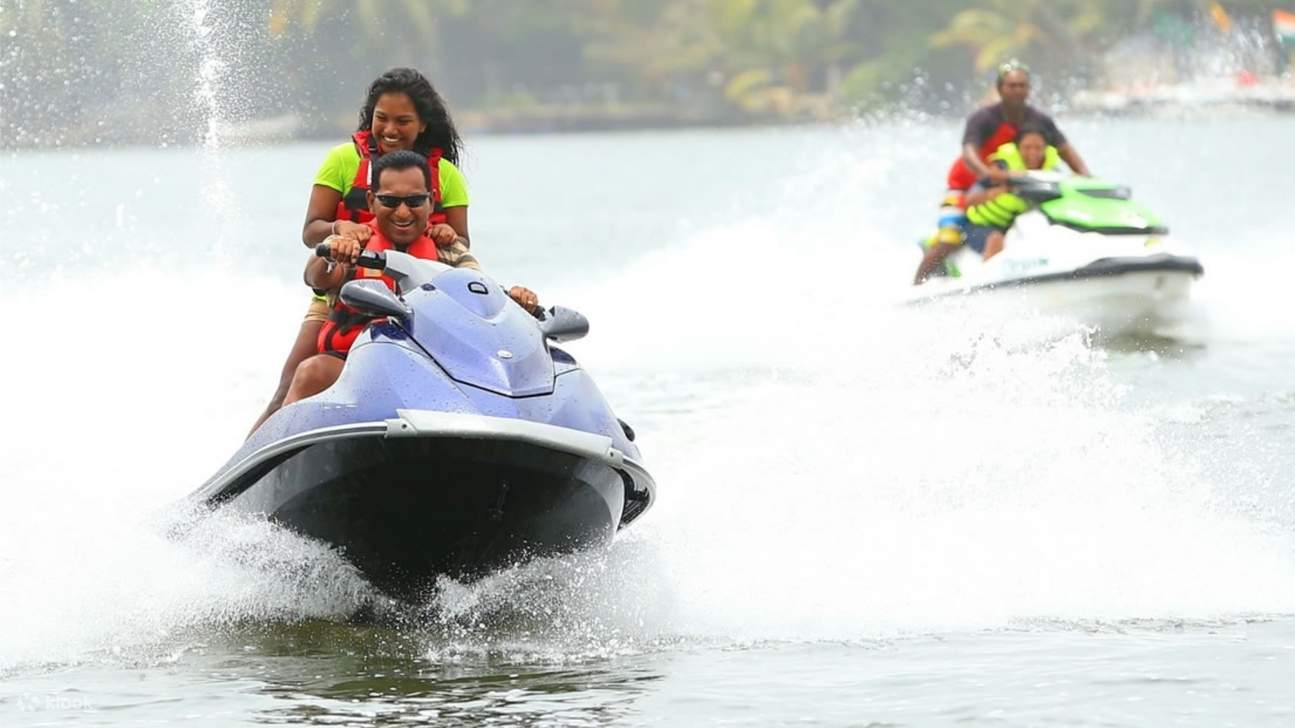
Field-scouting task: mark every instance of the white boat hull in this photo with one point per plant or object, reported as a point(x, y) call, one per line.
point(1117, 284)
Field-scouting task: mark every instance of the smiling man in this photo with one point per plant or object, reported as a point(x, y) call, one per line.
point(997, 124)
point(400, 206)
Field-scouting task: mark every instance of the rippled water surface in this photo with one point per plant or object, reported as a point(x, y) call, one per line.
point(868, 515)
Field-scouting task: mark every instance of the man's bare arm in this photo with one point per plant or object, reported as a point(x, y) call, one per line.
point(319, 277)
point(971, 155)
point(1073, 160)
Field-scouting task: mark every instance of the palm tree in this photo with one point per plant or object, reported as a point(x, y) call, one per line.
point(1004, 29)
point(783, 56)
point(374, 18)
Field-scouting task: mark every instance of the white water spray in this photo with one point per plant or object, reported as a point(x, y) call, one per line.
point(831, 466)
point(210, 96)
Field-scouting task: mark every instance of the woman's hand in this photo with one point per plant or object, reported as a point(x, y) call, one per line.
point(354, 230)
point(441, 234)
point(525, 298)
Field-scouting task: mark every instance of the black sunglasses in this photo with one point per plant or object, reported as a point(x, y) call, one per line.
point(394, 201)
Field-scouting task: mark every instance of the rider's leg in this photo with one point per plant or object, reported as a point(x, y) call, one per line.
point(993, 244)
point(304, 347)
point(315, 374)
point(931, 260)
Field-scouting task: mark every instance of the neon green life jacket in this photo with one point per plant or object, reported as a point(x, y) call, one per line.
point(1010, 155)
point(1003, 209)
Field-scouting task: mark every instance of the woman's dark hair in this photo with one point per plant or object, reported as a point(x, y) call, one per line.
point(1029, 129)
point(398, 160)
point(440, 131)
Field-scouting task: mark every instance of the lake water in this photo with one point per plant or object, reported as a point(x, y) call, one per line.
point(867, 515)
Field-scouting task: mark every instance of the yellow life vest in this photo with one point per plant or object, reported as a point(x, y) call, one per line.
point(1010, 155)
point(1000, 211)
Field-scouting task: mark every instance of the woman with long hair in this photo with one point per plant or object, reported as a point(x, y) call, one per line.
point(401, 111)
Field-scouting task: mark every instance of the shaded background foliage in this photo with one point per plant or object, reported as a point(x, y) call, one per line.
point(80, 72)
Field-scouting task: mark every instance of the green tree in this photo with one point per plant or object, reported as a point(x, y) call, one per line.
point(1004, 29)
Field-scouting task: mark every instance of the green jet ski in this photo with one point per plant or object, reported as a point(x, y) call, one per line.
point(1085, 250)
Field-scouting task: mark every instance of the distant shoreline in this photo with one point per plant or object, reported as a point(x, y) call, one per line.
point(536, 120)
point(292, 128)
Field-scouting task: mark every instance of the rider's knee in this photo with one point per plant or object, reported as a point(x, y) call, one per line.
point(313, 376)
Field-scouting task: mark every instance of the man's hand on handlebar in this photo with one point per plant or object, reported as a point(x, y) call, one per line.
point(344, 248)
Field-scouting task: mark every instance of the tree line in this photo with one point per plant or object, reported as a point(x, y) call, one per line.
point(78, 72)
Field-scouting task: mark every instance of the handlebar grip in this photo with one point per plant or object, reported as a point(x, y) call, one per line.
point(372, 259)
point(367, 259)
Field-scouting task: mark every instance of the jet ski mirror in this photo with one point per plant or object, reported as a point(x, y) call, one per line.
point(564, 324)
point(373, 297)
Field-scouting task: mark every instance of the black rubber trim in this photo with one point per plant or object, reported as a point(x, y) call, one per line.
point(1115, 230)
point(1105, 268)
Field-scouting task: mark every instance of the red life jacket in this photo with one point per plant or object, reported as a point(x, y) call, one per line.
point(355, 206)
point(961, 177)
point(345, 323)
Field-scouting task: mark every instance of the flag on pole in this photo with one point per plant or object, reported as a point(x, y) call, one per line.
point(1220, 17)
point(1284, 27)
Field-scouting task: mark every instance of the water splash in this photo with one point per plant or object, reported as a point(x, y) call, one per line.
point(207, 90)
point(833, 466)
point(210, 97)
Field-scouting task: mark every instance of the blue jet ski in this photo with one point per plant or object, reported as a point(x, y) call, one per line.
point(457, 440)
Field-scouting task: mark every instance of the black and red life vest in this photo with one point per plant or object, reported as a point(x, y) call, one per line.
point(355, 206)
point(961, 176)
point(345, 323)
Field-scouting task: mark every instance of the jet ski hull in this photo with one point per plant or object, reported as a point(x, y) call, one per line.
point(1117, 296)
point(1131, 272)
point(1119, 273)
point(428, 494)
point(406, 510)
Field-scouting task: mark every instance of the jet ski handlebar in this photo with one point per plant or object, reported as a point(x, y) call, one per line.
point(1033, 177)
point(367, 259)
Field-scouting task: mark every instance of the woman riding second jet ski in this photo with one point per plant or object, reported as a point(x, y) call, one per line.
point(991, 210)
point(400, 207)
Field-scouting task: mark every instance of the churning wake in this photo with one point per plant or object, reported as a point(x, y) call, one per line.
point(832, 465)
